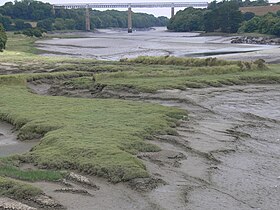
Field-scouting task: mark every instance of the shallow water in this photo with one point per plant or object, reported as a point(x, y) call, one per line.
point(9, 145)
point(114, 45)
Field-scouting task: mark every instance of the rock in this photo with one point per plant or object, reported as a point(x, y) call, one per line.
point(145, 184)
point(255, 40)
point(82, 179)
point(10, 204)
point(66, 183)
point(46, 201)
point(73, 190)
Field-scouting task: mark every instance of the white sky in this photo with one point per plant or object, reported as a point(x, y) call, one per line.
point(154, 11)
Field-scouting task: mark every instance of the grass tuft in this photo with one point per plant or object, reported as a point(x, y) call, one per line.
point(16, 189)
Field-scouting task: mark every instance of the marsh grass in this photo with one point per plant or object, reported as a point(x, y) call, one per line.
point(99, 137)
point(16, 189)
point(156, 77)
point(30, 175)
point(171, 60)
point(103, 136)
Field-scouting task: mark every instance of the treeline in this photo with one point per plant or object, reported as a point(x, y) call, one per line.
point(225, 17)
point(75, 19)
point(267, 24)
point(22, 15)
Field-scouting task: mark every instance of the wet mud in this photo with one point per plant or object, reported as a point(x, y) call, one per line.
point(115, 45)
point(9, 145)
point(225, 156)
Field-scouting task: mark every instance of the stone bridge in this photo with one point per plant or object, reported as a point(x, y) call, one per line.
point(129, 6)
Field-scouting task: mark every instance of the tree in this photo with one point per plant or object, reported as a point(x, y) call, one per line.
point(229, 16)
point(276, 29)
point(6, 22)
point(248, 16)
point(46, 24)
point(209, 21)
point(20, 24)
point(3, 38)
point(188, 20)
point(23, 11)
point(33, 32)
point(267, 24)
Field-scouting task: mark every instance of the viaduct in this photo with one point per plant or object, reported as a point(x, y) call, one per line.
point(129, 6)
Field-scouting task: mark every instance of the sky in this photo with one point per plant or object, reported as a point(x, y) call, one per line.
point(155, 11)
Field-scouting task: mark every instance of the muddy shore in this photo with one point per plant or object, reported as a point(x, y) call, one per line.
point(225, 156)
point(114, 45)
point(9, 145)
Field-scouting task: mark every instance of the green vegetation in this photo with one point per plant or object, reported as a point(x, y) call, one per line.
point(171, 72)
point(16, 189)
point(225, 17)
point(188, 20)
point(267, 24)
point(99, 136)
point(3, 38)
point(29, 175)
point(20, 14)
point(94, 136)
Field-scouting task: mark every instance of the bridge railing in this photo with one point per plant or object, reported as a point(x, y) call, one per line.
point(133, 5)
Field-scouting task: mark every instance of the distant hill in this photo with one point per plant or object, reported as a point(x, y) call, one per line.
point(260, 10)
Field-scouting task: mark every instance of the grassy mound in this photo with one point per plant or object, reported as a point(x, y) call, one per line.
point(16, 189)
point(98, 137)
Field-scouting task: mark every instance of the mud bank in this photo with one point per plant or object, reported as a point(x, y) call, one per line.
point(115, 45)
point(9, 145)
point(225, 156)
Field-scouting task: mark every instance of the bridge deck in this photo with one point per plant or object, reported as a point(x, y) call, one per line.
point(133, 5)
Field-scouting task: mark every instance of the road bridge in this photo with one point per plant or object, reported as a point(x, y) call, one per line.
point(129, 6)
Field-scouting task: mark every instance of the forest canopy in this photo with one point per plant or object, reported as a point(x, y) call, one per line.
point(226, 17)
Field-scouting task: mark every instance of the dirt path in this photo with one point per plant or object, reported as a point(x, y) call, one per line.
point(226, 155)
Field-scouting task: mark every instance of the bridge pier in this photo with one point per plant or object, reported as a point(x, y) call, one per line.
point(129, 20)
point(87, 19)
point(53, 10)
point(172, 12)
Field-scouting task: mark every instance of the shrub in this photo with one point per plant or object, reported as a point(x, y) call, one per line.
point(3, 38)
point(33, 32)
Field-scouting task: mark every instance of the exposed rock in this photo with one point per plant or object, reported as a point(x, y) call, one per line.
point(66, 183)
point(255, 40)
point(73, 190)
point(46, 201)
point(10, 204)
point(146, 184)
point(82, 180)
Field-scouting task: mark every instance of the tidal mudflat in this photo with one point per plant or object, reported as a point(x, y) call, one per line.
point(115, 45)
point(147, 133)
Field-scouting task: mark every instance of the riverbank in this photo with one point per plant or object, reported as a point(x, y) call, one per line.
point(146, 133)
point(115, 45)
